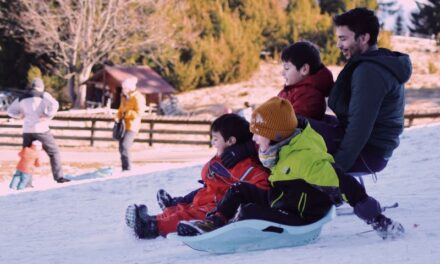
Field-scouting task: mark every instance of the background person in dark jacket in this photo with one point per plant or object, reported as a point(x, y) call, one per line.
point(367, 98)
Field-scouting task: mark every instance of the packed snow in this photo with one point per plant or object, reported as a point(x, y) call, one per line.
point(83, 221)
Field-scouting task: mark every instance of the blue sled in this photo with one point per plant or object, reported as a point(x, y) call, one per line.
point(249, 235)
point(100, 173)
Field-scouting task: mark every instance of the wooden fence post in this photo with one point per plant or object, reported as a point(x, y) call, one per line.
point(210, 140)
point(410, 121)
point(92, 133)
point(150, 143)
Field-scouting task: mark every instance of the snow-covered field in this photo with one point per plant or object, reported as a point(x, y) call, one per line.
point(82, 222)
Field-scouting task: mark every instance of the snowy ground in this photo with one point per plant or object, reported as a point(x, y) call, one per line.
point(82, 222)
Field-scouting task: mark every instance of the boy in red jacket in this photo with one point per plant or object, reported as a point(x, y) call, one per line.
point(227, 130)
point(29, 159)
point(308, 81)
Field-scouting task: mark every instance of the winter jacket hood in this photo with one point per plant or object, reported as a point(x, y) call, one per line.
point(397, 63)
point(308, 96)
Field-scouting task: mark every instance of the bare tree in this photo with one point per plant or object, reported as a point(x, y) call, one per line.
point(76, 34)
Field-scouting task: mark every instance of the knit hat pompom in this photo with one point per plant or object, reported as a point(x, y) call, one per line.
point(275, 119)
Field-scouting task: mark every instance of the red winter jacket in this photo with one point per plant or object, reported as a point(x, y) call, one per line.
point(217, 179)
point(308, 96)
point(29, 159)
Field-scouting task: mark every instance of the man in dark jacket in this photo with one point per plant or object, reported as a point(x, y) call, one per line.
point(368, 97)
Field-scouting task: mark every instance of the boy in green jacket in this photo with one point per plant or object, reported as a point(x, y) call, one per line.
point(304, 183)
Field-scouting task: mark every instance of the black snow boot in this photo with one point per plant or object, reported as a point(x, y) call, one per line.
point(145, 226)
point(387, 228)
point(199, 227)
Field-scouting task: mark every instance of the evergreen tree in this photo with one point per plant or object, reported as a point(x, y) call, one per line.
point(427, 19)
point(399, 28)
point(370, 4)
point(332, 7)
point(13, 58)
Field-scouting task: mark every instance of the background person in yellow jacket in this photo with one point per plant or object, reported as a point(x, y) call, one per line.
point(131, 109)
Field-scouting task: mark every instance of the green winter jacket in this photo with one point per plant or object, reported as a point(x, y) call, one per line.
point(303, 180)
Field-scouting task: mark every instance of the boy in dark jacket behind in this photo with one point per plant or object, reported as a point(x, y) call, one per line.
point(303, 182)
point(226, 130)
point(307, 81)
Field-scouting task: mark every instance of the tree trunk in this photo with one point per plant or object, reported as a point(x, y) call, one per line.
point(71, 89)
point(82, 88)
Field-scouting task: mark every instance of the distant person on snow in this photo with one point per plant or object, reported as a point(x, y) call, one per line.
point(37, 108)
point(131, 110)
point(228, 129)
point(29, 160)
point(303, 182)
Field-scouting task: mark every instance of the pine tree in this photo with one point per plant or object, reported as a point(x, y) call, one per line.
point(332, 7)
point(427, 19)
point(399, 27)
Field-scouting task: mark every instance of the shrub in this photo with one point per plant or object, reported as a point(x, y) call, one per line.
point(432, 69)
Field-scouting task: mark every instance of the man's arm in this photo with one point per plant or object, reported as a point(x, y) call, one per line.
point(139, 108)
point(51, 105)
point(368, 90)
point(14, 110)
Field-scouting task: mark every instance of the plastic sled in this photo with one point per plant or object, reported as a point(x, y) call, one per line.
point(100, 173)
point(249, 235)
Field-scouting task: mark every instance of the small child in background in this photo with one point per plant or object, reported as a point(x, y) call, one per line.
point(29, 160)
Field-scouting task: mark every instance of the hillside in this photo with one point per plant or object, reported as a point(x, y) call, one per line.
point(82, 222)
point(423, 89)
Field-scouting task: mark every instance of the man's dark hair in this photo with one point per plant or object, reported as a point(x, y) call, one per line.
point(360, 20)
point(302, 52)
point(232, 125)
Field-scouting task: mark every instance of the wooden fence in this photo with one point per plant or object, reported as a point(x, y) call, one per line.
point(92, 128)
point(69, 129)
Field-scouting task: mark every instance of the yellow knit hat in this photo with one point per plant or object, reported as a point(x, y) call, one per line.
point(274, 119)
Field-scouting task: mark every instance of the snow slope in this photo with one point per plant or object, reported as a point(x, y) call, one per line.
point(82, 222)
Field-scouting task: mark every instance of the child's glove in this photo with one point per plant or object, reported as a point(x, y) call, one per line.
point(164, 199)
point(238, 152)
